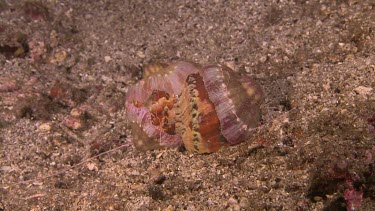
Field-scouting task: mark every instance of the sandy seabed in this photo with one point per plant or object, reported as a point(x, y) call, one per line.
point(65, 68)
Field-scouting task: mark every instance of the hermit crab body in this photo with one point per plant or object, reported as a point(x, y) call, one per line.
point(202, 108)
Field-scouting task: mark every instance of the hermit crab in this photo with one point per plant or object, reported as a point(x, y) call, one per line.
point(203, 108)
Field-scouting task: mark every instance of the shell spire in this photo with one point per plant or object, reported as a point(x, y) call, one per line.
point(236, 99)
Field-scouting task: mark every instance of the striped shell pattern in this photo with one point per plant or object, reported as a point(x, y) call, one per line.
point(202, 108)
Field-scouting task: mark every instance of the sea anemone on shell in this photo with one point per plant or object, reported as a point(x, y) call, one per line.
point(203, 108)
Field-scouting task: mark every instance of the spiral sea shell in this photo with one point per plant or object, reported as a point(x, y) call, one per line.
point(202, 108)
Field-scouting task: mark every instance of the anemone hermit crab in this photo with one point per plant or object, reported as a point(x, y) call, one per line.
point(204, 108)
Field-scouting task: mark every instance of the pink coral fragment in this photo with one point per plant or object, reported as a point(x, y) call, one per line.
point(353, 199)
